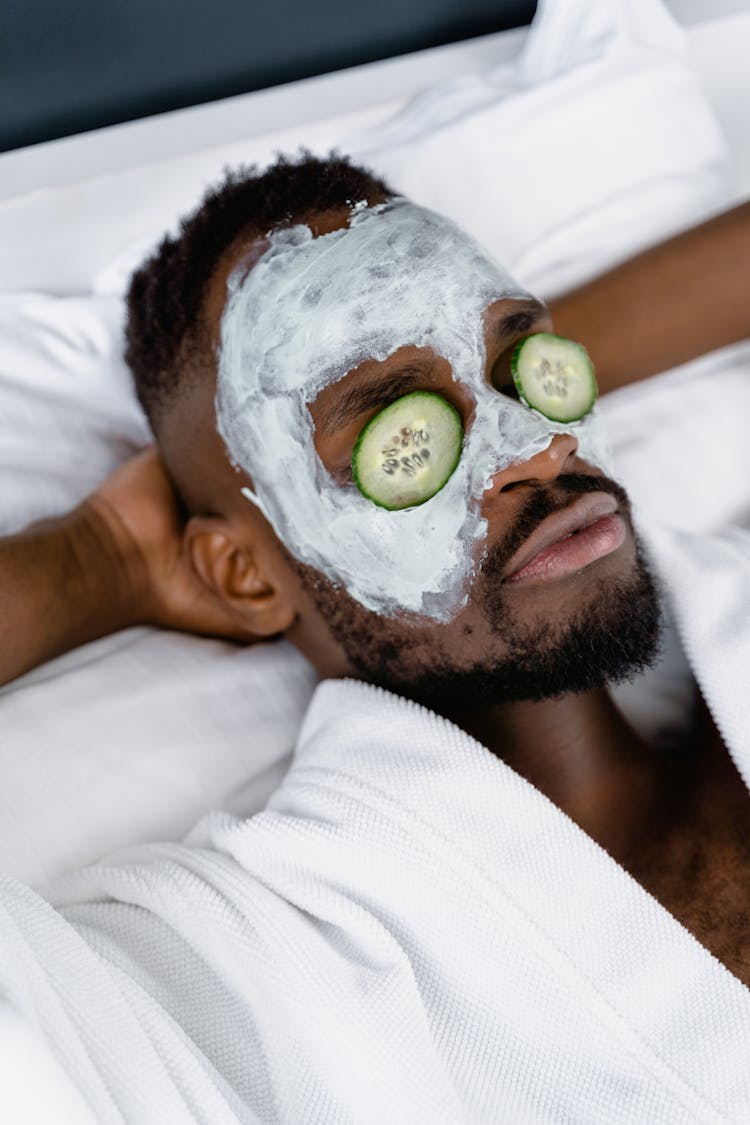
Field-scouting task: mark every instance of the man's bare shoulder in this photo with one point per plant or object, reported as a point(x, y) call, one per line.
point(697, 861)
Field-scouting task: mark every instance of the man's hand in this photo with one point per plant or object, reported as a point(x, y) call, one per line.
point(116, 560)
point(139, 510)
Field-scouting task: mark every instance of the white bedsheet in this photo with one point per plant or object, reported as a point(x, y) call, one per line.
point(95, 750)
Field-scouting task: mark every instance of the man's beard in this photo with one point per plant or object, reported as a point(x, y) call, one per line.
point(613, 637)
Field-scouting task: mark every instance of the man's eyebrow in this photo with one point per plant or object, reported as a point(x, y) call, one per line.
point(517, 322)
point(377, 391)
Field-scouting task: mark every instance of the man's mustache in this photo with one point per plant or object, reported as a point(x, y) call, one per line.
point(544, 502)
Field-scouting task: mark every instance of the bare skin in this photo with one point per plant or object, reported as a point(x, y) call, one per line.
point(695, 859)
point(224, 573)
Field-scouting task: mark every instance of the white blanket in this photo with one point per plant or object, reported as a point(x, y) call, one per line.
point(409, 933)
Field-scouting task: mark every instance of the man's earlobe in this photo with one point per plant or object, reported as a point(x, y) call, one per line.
point(232, 571)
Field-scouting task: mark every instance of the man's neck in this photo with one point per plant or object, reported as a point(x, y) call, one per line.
point(581, 753)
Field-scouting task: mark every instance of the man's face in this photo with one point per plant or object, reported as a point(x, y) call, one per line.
point(297, 331)
point(420, 600)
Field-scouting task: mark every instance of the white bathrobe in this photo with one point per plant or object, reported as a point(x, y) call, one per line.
point(410, 933)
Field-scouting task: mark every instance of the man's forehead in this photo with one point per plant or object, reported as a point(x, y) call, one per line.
point(313, 305)
point(249, 248)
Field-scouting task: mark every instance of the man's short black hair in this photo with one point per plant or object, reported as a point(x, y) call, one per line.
point(165, 331)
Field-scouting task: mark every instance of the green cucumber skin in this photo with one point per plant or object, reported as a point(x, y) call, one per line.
point(377, 417)
point(518, 379)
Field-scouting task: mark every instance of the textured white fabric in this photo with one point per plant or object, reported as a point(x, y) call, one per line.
point(36, 1090)
point(410, 932)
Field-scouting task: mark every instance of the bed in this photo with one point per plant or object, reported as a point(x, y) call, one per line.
point(564, 147)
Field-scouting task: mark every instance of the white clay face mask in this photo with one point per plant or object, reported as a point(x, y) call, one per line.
point(308, 312)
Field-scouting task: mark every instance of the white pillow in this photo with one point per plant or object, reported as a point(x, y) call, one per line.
point(135, 737)
point(598, 140)
point(68, 413)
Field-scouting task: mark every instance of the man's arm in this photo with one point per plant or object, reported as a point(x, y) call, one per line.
point(671, 303)
point(115, 561)
point(62, 582)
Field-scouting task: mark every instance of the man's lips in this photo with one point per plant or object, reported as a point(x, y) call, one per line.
point(549, 552)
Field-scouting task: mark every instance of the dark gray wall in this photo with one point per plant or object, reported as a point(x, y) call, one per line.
point(71, 65)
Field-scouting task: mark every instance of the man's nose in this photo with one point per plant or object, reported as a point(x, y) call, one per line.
point(543, 466)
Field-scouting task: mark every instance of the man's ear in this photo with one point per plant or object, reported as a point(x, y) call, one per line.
point(235, 573)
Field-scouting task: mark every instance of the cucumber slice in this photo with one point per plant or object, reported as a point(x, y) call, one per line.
point(555, 376)
point(407, 452)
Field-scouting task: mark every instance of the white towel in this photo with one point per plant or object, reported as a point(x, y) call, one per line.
point(409, 933)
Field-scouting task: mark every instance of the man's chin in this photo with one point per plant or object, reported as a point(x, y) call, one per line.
point(612, 637)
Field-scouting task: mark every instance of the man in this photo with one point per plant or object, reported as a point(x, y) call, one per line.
point(422, 927)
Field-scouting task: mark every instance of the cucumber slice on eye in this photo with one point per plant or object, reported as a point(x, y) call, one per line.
point(555, 376)
point(407, 452)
